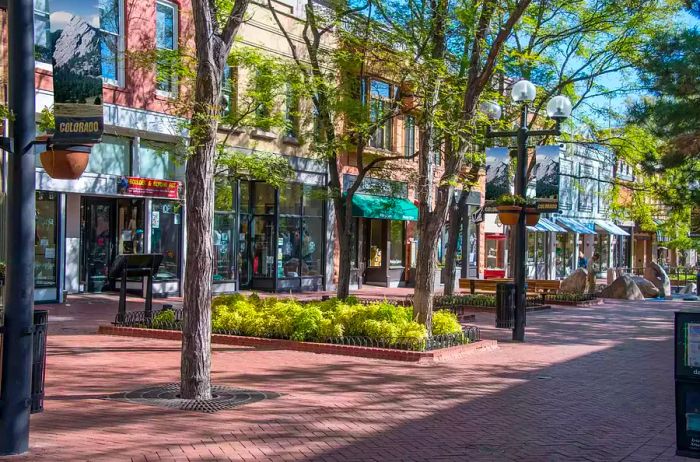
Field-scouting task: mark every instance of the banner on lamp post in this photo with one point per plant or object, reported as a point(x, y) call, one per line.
point(548, 175)
point(77, 71)
point(499, 173)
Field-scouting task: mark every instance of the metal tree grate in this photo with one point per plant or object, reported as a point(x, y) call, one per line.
point(223, 398)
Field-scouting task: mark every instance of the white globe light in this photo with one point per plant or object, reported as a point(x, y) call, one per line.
point(559, 107)
point(523, 91)
point(491, 109)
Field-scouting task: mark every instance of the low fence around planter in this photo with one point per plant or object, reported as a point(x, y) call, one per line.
point(458, 303)
point(163, 320)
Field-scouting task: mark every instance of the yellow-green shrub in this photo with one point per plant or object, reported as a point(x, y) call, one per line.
point(445, 323)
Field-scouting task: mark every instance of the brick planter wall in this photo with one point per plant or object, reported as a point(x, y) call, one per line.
point(427, 357)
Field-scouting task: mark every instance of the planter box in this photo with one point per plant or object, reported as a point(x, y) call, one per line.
point(427, 357)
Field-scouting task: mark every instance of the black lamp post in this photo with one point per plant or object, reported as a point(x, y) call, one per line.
point(558, 108)
point(15, 395)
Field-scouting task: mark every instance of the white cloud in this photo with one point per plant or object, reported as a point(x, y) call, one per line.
point(60, 19)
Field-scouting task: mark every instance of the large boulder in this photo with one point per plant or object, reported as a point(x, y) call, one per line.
point(659, 278)
point(649, 290)
point(690, 288)
point(576, 282)
point(623, 288)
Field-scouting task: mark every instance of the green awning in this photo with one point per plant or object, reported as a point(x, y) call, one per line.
point(383, 207)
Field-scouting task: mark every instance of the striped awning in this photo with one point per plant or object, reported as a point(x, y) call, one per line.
point(574, 225)
point(608, 227)
point(546, 226)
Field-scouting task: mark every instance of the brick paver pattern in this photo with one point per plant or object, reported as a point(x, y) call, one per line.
point(591, 383)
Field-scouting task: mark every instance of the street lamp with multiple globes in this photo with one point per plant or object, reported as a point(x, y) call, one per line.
point(559, 109)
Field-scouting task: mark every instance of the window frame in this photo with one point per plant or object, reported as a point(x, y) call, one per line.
point(388, 127)
point(230, 90)
point(44, 14)
point(121, 46)
point(409, 129)
point(176, 39)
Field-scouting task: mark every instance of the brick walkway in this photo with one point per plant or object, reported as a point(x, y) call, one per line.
point(590, 384)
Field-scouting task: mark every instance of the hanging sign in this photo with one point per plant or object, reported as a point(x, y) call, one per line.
point(150, 187)
point(548, 176)
point(77, 71)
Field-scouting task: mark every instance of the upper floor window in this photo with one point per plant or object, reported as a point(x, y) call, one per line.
point(380, 96)
point(166, 40)
point(42, 32)
point(229, 91)
point(291, 113)
point(111, 45)
point(410, 136)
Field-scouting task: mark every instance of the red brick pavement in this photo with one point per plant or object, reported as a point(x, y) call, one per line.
point(590, 384)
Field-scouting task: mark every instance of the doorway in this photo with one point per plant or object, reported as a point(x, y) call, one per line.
point(109, 227)
point(97, 242)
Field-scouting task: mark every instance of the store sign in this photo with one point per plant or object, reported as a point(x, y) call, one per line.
point(695, 222)
point(150, 187)
point(548, 177)
point(77, 71)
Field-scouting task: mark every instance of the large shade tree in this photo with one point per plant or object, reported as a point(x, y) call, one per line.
point(216, 24)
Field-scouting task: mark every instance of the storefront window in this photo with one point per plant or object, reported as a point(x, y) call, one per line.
point(224, 233)
point(375, 243)
point(112, 156)
point(130, 223)
point(264, 199)
point(290, 243)
point(396, 237)
point(166, 224)
point(263, 246)
point(311, 246)
point(157, 160)
point(602, 248)
point(565, 254)
point(290, 199)
point(45, 250)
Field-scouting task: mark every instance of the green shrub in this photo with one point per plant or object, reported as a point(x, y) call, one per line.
point(307, 324)
point(227, 299)
point(329, 329)
point(164, 318)
point(381, 330)
point(445, 323)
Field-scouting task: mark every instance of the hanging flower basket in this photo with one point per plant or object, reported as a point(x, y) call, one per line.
point(532, 216)
point(509, 214)
point(66, 162)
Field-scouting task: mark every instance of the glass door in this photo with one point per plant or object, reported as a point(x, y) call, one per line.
point(97, 242)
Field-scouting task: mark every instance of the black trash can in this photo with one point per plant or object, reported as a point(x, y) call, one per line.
point(41, 327)
point(505, 305)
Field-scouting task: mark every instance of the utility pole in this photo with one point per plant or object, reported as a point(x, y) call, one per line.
point(15, 392)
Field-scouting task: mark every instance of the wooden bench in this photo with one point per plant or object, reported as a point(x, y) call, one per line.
point(534, 286)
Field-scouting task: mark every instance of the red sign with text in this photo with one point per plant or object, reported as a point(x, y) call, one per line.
point(149, 187)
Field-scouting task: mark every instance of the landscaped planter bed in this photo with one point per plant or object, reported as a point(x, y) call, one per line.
point(421, 357)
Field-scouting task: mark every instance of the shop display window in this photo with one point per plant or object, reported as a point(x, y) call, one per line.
point(396, 237)
point(166, 232)
point(45, 244)
point(376, 244)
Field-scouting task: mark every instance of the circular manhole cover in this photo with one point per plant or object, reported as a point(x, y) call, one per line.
point(168, 396)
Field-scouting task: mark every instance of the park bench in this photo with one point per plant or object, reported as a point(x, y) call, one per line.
point(534, 286)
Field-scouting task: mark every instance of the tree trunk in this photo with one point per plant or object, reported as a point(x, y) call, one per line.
point(457, 213)
point(195, 364)
point(344, 246)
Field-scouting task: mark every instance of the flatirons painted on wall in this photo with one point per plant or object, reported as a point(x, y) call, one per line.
point(77, 71)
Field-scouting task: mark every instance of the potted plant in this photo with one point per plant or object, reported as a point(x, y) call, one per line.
point(532, 216)
point(509, 207)
point(66, 162)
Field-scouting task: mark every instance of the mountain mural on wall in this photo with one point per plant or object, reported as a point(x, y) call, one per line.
point(77, 74)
